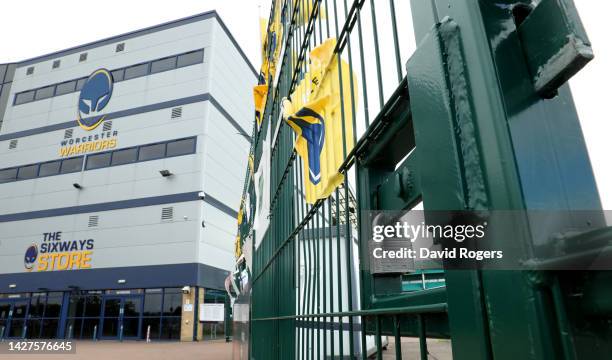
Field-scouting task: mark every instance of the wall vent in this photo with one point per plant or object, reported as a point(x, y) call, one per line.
point(108, 125)
point(13, 144)
point(30, 70)
point(68, 133)
point(93, 221)
point(177, 112)
point(83, 57)
point(120, 47)
point(167, 213)
point(56, 64)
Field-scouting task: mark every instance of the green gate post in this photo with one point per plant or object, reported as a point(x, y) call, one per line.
point(503, 137)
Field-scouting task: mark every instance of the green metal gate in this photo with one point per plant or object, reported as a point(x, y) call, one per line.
point(478, 117)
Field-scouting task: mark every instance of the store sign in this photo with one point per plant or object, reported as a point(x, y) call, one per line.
point(55, 253)
point(93, 99)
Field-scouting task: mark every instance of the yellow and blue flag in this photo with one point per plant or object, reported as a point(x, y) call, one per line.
point(322, 128)
point(260, 94)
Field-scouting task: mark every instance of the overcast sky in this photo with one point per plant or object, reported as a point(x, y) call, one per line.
point(32, 28)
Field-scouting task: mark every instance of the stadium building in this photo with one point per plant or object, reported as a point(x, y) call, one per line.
point(121, 166)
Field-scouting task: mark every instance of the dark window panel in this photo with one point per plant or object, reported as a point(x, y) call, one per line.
point(117, 75)
point(172, 304)
point(181, 147)
point(37, 306)
point(72, 165)
point(34, 326)
point(89, 325)
point(152, 304)
point(151, 152)
point(65, 88)
point(28, 172)
point(76, 307)
point(154, 324)
point(49, 328)
point(191, 58)
point(44, 93)
point(163, 65)
point(54, 306)
point(8, 175)
point(171, 328)
point(80, 83)
point(24, 97)
point(125, 156)
point(136, 71)
point(93, 306)
point(49, 168)
point(97, 161)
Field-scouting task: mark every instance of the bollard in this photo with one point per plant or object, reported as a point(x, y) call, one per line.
point(69, 331)
point(95, 333)
point(121, 333)
point(149, 333)
point(2, 333)
point(24, 332)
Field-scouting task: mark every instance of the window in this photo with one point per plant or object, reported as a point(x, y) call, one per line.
point(8, 175)
point(80, 83)
point(56, 64)
point(98, 161)
point(49, 168)
point(24, 97)
point(150, 152)
point(172, 303)
point(125, 156)
point(194, 57)
point(163, 65)
point(136, 71)
point(181, 147)
point(65, 88)
point(117, 75)
point(120, 47)
point(30, 70)
point(83, 57)
point(28, 172)
point(72, 165)
point(44, 93)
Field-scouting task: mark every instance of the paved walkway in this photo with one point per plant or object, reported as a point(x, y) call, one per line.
point(139, 350)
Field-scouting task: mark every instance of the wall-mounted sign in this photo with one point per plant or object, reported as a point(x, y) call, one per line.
point(93, 98)
point(212, 312)
point(54, 253)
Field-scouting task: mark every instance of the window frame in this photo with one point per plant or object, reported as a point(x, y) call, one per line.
point(110, 158)
point(72, 158)
point(175, 58)
point(28, 166)
point(152, 144)
point(40, 165)
point(193, 150)
point(147, 66)
point(124, 149)
point(178, 57)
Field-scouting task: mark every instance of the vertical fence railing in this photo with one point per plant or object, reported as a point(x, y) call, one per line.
point(306, 284)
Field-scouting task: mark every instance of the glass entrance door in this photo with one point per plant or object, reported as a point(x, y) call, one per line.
point(6, 312)
point(12, 318)
point(121, 317)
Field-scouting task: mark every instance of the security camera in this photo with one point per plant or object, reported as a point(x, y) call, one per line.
point(186, 290)
point(201, 195)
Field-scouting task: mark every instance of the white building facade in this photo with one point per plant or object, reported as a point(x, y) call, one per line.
point(121, 166)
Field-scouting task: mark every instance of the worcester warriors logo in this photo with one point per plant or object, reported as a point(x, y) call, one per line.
point(94, 97)
point(30, 257)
